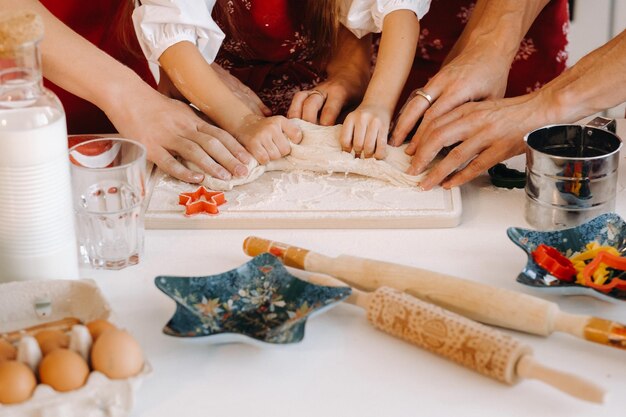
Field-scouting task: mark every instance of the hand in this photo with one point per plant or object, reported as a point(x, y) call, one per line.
point(365, 130)
point(326, 100)
point(489, 132)
point(267, 138)
point(471, 76)
point(169, 127)
point(242, 91)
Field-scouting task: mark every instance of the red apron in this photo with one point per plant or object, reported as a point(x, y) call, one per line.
point(100, 22)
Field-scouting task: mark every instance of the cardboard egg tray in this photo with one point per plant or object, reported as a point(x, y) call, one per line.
point(26, 304)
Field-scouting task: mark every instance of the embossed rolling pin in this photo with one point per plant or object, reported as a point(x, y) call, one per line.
point(480, 302)
point(464, 341)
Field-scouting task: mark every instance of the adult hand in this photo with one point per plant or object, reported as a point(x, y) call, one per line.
point(471, 76)
point(267, 138)
point(169, 127)
point(488, 132)
point(326, 100)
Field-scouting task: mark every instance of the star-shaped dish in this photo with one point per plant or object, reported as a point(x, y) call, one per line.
point(201, 201)
point(607, 230)
point(260, 299)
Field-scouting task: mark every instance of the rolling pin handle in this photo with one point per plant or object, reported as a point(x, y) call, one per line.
point(573, 385)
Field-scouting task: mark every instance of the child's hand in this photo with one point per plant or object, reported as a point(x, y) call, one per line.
point(365, 130)
point(267, 138)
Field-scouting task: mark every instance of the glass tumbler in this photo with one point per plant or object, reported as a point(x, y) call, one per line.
point(108, 183)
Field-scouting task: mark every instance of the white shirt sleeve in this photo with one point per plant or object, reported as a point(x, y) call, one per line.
point(366, 16)
point(160, 24)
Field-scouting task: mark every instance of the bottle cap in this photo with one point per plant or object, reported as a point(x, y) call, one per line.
point(18, 28)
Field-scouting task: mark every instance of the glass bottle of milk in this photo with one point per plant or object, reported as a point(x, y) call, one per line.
point(37, 239)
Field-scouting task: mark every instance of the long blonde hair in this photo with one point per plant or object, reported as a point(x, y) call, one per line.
point(322, 22)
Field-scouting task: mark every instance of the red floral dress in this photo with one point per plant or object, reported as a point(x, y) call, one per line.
point(267, 48)
point(541, 57)
point(100, 22)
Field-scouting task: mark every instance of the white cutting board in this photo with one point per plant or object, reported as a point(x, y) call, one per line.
point(308, 200)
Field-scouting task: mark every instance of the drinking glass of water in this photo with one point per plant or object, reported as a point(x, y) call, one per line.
point(108, 184)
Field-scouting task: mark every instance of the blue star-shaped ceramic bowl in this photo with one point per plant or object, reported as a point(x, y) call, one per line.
point(607, 229)
point(260, 299)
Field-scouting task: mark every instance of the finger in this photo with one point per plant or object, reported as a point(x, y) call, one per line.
point(168, 164)
point(411, 113)
point(448, 101)
point(311, 108)
point(456, 158)
point(192, 151)
point(347, 132)
point(381, 144)
point(331, 110)
point(259, 153)
point(358, 140)
point(217, 150)
point(270, 146)
point(425, 133)
point(295, 109)
point(282, 143)
point(290, 129)
point(371, 135)
point(427, 149)
point(233, 146)
point(473, 169)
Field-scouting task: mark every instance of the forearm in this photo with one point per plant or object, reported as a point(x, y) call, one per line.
point(67, 57)
point(351, 59)
point(395, 58)
point(597, 82)
point(498, 26)
point(202, 86)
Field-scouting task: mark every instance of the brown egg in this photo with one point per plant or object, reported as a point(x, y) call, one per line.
point(17, 382)
point(64, 370)
point(50, 340)
point(97, 327)
point(117, 355)
point(8, 352)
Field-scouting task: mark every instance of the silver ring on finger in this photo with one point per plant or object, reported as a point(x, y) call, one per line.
point(425, 95)
point(322, 95)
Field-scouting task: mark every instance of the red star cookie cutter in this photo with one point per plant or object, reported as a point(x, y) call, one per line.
point(201, 201)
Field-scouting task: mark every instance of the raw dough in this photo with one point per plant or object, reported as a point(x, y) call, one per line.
point(320, 151)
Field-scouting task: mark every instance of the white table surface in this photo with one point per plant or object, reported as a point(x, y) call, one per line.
point(344, 367)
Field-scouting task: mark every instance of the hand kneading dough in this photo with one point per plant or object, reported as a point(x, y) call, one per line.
point(320, 151)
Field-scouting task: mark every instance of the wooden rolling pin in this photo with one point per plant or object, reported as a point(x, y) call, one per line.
point(480, 302)
point(466, 342)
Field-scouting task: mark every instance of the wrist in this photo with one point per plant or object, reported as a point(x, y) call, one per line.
point(122, 95)
point(239, 125)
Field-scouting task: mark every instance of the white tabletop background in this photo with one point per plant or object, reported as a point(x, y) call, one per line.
point(344, 367)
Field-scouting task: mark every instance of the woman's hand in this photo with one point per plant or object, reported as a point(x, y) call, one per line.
point(267, 138)
point(472, 76)
point(169, 127)
point(348, 76)
point(486, 132)
point(327, 99)
point(365, 130)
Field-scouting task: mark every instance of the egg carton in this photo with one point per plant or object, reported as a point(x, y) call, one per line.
point(30, 303)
